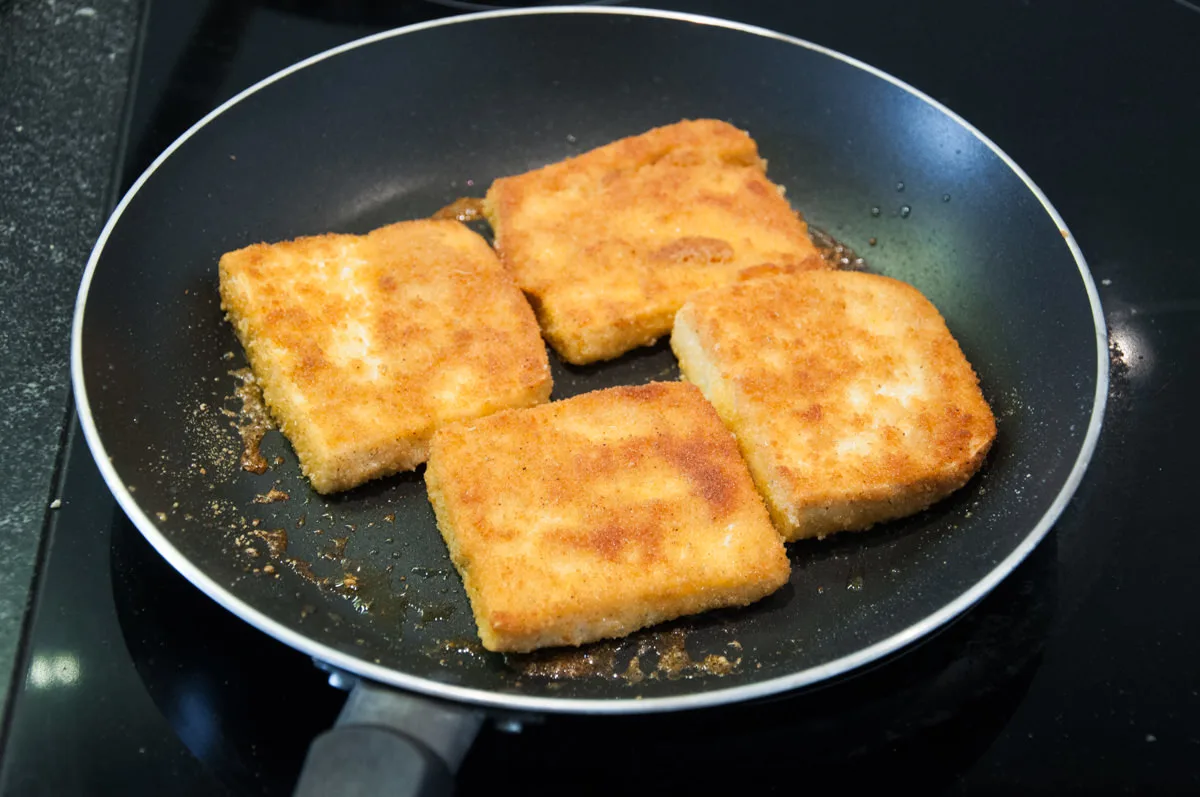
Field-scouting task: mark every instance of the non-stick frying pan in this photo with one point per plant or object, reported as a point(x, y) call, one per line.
point(397, 125)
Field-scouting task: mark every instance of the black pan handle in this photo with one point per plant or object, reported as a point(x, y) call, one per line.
point(388, 743)
point(370, 760)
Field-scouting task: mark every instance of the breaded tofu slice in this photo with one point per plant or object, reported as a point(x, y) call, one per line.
point(608, 245)
point(849, 397)
point(365, 344)
point(598, 515)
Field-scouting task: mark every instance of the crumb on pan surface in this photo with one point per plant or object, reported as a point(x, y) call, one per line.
point(609, 244)
point(365, 344)
point(599, 515)
point(849, 397)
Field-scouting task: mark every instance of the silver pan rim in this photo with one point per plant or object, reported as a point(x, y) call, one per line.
point(631, 705)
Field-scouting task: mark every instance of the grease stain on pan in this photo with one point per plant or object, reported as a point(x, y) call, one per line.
point(363, 587)
point(254, 421)
point(837, 254)
point(276, 541)
point(464, 209)
point(272, 496)
point(653, 654)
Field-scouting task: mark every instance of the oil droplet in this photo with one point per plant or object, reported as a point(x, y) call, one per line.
point(426, 572)
point(855, 584)
point(433, 613)
point(462, 209)
point(945, 197)
point(905, 211)
point(900, 186)
point(875, 211)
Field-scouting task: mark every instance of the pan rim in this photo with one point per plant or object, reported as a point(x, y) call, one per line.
point(631, 705)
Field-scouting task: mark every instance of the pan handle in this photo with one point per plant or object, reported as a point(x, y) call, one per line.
point(388, 743)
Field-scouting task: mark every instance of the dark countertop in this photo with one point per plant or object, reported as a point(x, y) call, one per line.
point(64, 72)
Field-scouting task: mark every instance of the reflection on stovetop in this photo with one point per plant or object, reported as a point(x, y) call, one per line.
point(247, 706)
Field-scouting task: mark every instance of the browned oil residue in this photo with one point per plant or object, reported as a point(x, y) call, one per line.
point(304, 570)
point(674, 661)
point(836, 253)
point(276, 540)
point(717, 665)
point(350, 586)
point(633, 673)
point(465, 208)
point(673, 656)
point(558, 664)
point(337, 550)
point(271, 496)
point(667, 649)
point(253, 421)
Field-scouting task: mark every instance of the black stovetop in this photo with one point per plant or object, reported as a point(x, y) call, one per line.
point(1076, 674)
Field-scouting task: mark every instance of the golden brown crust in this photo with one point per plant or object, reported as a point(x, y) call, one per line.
point(851, 400)
point(598, 515)
point(608, 245)
point(364, 345)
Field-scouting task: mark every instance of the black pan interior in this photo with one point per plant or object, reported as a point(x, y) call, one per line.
point(401, 126)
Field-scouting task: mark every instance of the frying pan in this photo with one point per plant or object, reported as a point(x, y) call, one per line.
point(395, 126)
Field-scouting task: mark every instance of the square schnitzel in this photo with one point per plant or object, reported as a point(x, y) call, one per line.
point(850, 399)
point(365, 344)
point(601, 514)
point(610, 244)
